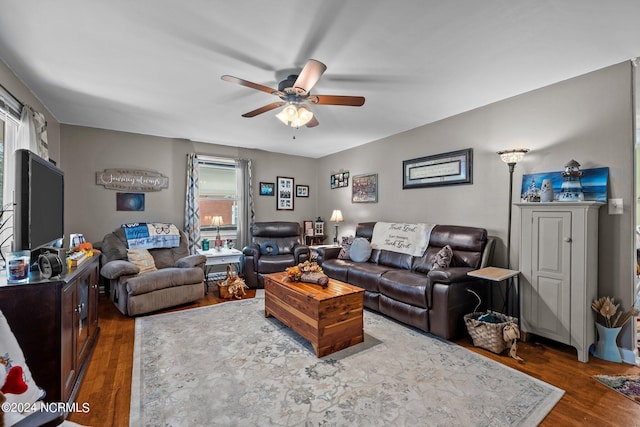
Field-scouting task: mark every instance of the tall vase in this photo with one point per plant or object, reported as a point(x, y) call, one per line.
point(607, 347)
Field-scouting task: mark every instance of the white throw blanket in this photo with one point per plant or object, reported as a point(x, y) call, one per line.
point(411, 239)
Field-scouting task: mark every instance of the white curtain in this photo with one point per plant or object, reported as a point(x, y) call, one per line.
point(192, 205)
point(245, 214)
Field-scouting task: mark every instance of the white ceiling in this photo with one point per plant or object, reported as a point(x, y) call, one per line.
point(154, 66)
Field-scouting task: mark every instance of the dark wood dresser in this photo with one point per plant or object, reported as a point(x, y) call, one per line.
point(56, 324)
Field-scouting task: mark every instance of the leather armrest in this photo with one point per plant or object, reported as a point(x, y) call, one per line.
point(450, 275)
point(115, 269)
point(192, 261)
point(328, 253)
point(301, 253)
point(252, 253)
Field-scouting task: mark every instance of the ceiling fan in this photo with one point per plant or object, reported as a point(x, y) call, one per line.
point(294, 94)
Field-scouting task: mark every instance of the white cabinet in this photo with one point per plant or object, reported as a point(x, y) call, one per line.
point(559, 267)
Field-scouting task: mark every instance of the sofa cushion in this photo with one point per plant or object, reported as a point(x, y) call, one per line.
point(360, 250)
point(337, 268)
point(275, 263)
point(442, 258)
point(142, 259)
point(405, 286)
point(395, 259)
point(366, 275)
point(165, 278)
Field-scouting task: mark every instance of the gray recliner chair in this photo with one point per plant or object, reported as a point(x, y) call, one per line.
point(179, 277)
point(275, 246)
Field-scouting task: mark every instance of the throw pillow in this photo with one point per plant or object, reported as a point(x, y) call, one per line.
point(346, 246)
point(360, 250)
point(442, 258)
point(268, 248)
point(12, 363)
point(142, 258)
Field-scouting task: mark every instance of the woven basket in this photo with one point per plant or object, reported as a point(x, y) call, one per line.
point(488, 335)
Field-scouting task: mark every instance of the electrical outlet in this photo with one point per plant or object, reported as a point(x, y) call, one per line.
point(615, 207)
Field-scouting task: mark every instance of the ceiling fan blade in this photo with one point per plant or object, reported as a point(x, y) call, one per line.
point(309, 75)
point(252, 85)
point(352, 101)
point(264, 109)
point(312, 123)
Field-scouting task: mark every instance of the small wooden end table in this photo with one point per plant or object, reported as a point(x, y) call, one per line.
point(497, 274)
point(330, 318)
point(217, 257)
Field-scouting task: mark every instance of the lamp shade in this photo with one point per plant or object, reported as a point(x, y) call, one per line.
point(217, 221)
point(513, 156)
point(336, 216)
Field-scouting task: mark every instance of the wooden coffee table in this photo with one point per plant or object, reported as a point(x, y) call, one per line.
point(330, 318)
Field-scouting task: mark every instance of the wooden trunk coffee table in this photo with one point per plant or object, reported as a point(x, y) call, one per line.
point(330, 318)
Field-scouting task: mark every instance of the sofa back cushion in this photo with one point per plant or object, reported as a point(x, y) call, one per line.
point(467, 244)
point(283, 233)
point(114, 246)
point(395, 259)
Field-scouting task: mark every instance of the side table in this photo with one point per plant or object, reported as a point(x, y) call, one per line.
point(218, 257)
point(496, 274)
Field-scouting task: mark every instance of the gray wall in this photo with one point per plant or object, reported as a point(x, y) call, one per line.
point(588, 118)
point(91, 209)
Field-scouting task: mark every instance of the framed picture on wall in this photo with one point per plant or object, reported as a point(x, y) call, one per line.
point(284, 193)
point(266, 188)
point(302, 191)
point(365, 188)
point(130, 201)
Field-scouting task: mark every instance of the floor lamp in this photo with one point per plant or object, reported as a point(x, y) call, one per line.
point(336, 217)
point(511, 157)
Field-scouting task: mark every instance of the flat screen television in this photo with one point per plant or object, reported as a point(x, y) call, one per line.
point(39, 210)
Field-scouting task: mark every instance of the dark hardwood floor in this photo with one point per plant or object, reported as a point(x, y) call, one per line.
point(107, 382)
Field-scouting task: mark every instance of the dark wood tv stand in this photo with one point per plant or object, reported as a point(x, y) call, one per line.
point(56, 324)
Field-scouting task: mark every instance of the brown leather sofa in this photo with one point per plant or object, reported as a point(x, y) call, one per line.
point(407, 289)
point(267, 236)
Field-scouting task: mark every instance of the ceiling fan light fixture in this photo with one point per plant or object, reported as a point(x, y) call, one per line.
point(294, 115)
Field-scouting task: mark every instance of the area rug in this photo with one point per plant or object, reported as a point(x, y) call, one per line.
point(228, 365)
point(626, 385)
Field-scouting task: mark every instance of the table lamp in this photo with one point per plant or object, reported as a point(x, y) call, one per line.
point(336, 217)
point(217, 221)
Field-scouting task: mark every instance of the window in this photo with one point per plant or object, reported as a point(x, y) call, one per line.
point(218, 180)
point(9, 120)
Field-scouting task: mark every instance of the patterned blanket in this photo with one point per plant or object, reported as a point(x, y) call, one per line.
point(143, 235)
point(411, 239)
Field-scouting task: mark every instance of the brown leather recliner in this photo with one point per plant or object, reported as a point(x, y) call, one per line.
point(275, 246)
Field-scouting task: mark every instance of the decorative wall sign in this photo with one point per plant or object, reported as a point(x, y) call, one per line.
point(129, 202)
point(364, 188)
point(132, 180)
point(455, 167)
point(285, 193)
point(340, 179)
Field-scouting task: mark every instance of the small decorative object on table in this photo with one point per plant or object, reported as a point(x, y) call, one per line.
point(607, 348)
point(308, 272)
point(233, 286)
